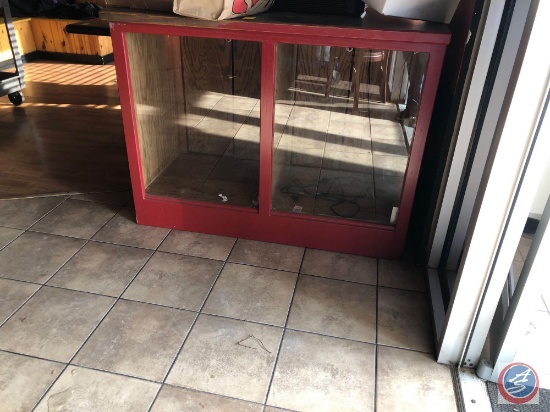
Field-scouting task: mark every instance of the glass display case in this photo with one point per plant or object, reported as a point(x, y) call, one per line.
point(301, 133)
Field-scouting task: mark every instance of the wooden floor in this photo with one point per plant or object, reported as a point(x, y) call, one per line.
point(67, 137)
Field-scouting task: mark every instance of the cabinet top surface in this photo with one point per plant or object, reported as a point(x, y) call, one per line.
point(279, 21)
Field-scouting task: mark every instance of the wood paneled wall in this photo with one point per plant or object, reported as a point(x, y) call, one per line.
point(154, 60)
point(23, 33)
point(50, 36)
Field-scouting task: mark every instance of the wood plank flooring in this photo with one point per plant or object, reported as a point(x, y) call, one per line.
point(67, 137)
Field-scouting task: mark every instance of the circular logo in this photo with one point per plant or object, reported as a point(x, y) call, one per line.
point(518, 383)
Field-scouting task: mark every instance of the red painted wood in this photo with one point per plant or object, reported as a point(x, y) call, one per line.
point(128, 114)
point(301, 230)
point(267, 114)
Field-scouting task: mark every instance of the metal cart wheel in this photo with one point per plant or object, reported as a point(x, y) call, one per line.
point(16, 98)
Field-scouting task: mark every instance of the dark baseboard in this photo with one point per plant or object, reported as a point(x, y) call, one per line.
point(531, 225)
point(76, 58)
point(62, 57)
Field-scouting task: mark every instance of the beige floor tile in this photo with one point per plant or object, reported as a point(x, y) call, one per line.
point(340, 266)
point(518, 257)
point(137, 339)
point(359, 130)
point(386, 130)
point(335, 308)
point(524, 246)
point(209, 142)
point(35, 257)
point(342, 142)
point(348, 162)
point(517, 267)
point(404, 320)
point(23, 213)
point(101, 268)
point(174, 280)
point(412, 381)
point(24, 380)
point(319, 373)
point(243, 149)
point(308, 119)
point(198, 244)
point(227, 357)
point(191, 165)
point(273, 409)
point(13, 295)
point(346, 184)
point(173, 399)
point(54, 323)
point(298, 140)
point(267, 255)
point(390, 147)
point(236, 170)
point(296, 160)
point(7, 235)
point(76, 218)
point(401, 275)
point(124, 230)
point(113, 198)
point(388, 187)
point(79, 389)
point(231, 103)
point(252, 293)
point(390, 165)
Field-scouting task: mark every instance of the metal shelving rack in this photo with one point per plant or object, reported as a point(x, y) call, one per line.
point(12, 83)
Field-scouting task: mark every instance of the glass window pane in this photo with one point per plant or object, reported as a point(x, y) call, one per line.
point(197, 105)
point(344, 123)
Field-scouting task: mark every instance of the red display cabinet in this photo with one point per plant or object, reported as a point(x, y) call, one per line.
point(296, 129)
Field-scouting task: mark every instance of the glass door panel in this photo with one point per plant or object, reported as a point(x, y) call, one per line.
point(344, 124)
point(199, 127)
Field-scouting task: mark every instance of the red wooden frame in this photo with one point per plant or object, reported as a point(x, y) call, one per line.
point(341, 235)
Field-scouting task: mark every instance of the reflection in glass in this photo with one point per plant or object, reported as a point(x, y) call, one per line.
point(344, 124)
point(199, 128)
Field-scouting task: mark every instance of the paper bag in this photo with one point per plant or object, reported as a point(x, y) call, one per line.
point(220, 9)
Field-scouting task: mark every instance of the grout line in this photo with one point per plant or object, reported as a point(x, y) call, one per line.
point(339, 280)
point(48, 213)
point(83, 246)
point(14, 239)
point(212, 393)
point(42, 285)
point(255, 322)
point(19, 307)
point(231, 140)
point(32, 356)
point(407, 349)
point(190, 330)
point(96, 327)
point(283, 334)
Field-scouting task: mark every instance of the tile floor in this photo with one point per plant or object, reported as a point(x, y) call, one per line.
point(97, 313)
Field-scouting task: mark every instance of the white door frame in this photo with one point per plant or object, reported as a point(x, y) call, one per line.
point(494, 232)
point(523, 304)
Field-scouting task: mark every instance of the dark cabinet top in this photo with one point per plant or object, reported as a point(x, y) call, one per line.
point(374, 26)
